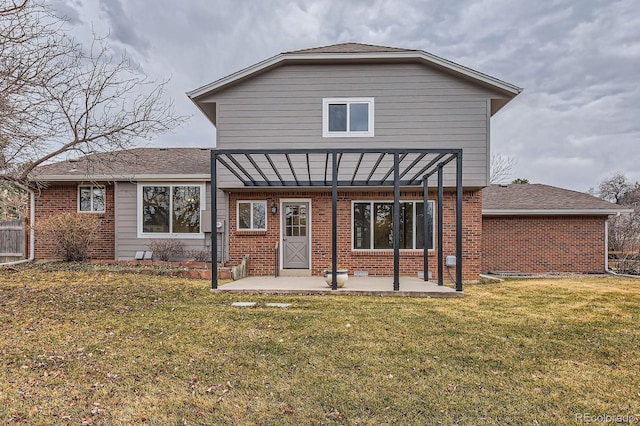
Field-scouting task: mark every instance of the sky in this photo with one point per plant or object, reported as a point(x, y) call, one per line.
point(576, 122)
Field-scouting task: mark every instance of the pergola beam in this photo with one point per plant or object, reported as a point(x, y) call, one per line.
point(432, 161)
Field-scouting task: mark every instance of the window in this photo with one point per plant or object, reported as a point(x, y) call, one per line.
point(170, 209)
point(348, 117)
point(373, 225)
point(252, 215)
point(91, 199)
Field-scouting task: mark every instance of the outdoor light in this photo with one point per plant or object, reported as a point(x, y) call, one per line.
point(274, 208)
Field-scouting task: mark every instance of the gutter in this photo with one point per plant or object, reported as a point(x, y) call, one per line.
point(32, 232)
point(554, 212)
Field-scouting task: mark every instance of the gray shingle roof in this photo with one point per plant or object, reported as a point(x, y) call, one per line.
point(350, 48)
point(542, 199)
point(123, 165)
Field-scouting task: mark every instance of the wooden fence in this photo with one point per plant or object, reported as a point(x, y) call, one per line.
point(12, 240)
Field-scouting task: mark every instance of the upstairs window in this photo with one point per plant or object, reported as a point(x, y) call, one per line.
point(91, 199)
point(347, 117)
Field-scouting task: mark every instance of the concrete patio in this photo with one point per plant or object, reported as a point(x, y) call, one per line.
point(357, 286)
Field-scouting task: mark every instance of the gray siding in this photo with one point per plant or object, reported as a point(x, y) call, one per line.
point(126, 234)
point(415, 107)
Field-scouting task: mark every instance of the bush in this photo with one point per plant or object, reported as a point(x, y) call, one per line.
point(166, 249)
point(628, 264)
point(203, 255)
point(71, 233)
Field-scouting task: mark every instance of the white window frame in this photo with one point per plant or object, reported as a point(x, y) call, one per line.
point(348, 133)
point(160, 235)
point(372, 249)
point(252, 202)
point(91, 188)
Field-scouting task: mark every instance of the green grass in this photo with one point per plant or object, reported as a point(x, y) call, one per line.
point(113, 348)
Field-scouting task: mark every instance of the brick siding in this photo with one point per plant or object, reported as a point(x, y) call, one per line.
point(260, 245)
point(543, 244)
point(57, 199)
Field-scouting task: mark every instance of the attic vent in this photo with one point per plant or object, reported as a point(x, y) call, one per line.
point(504, 185)
point(164, 149)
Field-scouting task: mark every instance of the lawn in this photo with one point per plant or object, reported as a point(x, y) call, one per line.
point(115, 348)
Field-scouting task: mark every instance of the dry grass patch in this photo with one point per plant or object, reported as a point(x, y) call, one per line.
point(87, 348)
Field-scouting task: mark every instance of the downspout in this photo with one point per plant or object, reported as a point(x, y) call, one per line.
point(32, 232)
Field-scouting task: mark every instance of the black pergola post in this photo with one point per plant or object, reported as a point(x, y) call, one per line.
point(214, 219)
point(334, 222)
point(459, 221)
point(425, 231)
point(440, 224)
point(396, 221)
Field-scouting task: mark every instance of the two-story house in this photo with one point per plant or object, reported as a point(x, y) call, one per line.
point(322, 156)
point(321, 162)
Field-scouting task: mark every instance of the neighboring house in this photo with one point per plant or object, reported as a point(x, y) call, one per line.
point(322, 154)
point(537, 228)
point(138, 195)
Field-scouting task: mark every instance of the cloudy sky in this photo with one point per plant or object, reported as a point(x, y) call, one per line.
point(576, 122)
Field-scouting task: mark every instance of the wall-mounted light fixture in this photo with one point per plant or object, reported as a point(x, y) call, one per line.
point(274, 208)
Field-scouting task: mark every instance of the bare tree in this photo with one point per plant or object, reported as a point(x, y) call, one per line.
point(56, 97)
point(13, 201)
point(615, 188)
point(501, 168)
point(624, 230)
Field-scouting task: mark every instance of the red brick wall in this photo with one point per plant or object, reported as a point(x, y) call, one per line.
point(260, 245)
point(543, 244)
point(64, 198)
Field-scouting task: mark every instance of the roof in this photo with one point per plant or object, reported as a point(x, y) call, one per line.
point(350, 48)
point(131, 164)
point(354, 52)
point(538, 199)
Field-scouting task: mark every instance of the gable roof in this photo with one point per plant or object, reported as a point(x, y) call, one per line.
point(132, 164)
point(354, 52)
point(350, 48)
point(545, 200)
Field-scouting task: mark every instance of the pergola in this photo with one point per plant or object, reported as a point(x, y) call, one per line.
point(349, 167)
